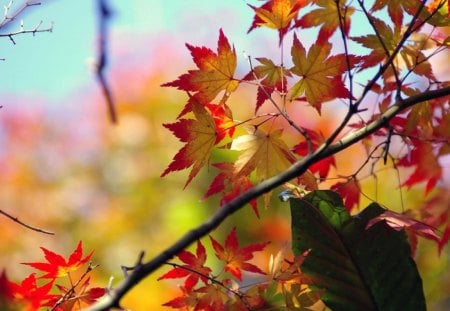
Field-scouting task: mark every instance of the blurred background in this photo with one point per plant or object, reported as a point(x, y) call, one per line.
point(65, 168)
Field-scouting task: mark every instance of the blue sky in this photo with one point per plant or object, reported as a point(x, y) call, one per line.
point(55, 64)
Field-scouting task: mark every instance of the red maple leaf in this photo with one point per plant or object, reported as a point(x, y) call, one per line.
point(436, 212)
point(427, 167)
point(27, 295)
point(194, 267)
point(223, 118)
point(350, 192)
point(56, 266)
point(215, 71)
point(230, 185)
point(323, 166)
point(277, 14)
point(236, 258)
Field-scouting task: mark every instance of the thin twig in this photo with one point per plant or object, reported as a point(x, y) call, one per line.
point(33, 31)
point(383, 44)
point(281, 111)
point(8, 19)
point(104, 15)
point(15, 219)
point(213, 280)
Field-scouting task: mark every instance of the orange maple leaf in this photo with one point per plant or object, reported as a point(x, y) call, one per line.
point(56, 266)
point(236, 258)
point(264, 152)
point(215, 71)
point(81, 295)
point(200, 136)
point(273, 77)
point(327, 15)
point(276, 14)
point(321, 74)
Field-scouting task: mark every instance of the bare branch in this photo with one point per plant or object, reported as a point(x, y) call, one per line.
point(104, 15)
point(113, 299)
point(22, 30)
point(8, 19)
point(15, 219)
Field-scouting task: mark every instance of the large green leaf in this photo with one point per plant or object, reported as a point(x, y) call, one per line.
point(358, 269)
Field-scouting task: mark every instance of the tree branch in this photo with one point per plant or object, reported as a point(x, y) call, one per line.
point(104, 14)
point(113, 299)
point(15, 219)
point(22, 30)
point(8, 19)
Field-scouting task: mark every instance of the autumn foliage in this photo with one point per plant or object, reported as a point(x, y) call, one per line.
point(397, 53)
point(370, 72)
point(61, 287)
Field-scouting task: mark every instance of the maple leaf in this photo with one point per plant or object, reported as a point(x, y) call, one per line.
point(273, 77)
point(427, 167)
point(27, 295)
point(349, 191)
point(236, 258)
point(79, 295)
point(194, 267)
point(377, 55)
point(188, 299)
point(212, 298)
point(264, 152)
point(200, 136)
point(321, 167)
point(321, 74)
point(400, 222)
point(56, 266)
point(276, 14)
point(436, 213)
point(395, 9)
point(327, 16)
point(223, 119)
point(237, 184)
point(215, 71)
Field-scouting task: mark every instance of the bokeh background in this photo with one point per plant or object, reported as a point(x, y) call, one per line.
point(65, 168)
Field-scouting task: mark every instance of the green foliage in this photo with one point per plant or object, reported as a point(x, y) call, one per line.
point(360, 269)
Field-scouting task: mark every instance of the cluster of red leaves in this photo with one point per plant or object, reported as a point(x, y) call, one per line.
point(318, 75)
point(203, 290)
point(34, 293)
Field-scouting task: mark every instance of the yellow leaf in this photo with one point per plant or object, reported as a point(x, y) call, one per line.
point(264, 152)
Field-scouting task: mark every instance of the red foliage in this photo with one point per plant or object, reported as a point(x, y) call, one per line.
point(194, 267)
point(350, 192)
point(56, 266)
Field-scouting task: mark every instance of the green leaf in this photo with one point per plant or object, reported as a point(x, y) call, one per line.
point(358, 269)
